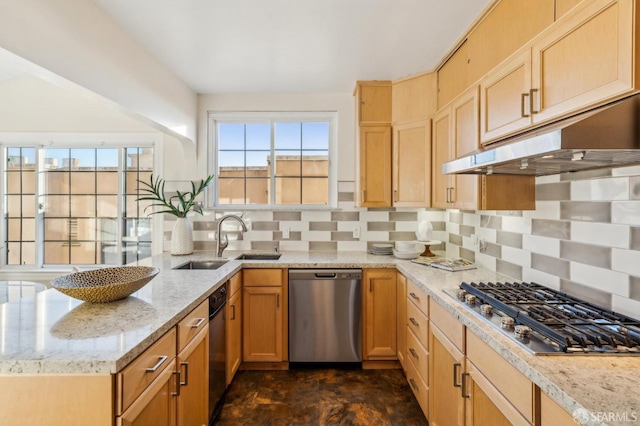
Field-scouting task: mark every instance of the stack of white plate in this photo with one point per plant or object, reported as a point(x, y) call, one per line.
point(381, 249)
point(408, 250)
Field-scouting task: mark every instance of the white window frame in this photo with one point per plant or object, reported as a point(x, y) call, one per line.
point(271, 117)
point(45, 140)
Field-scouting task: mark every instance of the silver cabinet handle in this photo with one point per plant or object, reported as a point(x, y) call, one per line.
point(199, 323)
point(531, 102)
point(414, 322)
point(177, 392)
point(186, 373)
point(413, 353)
point(456, 366)
point(463, 386)
point(522, 103)
point(161, 361)
point(415, 296)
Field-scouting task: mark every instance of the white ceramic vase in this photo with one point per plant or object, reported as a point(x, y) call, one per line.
point(182, 237)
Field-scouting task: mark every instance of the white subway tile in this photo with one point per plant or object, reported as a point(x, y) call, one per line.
point(548, 179)
point(373, 216)
point(485, 261)
point(348, 206)
point(287, 245)
point(603, 234)
point(544, 210)
point(243, 245)
point(452, 250)
point(432, 215)
point(406, 226)
point(625, 261)
point(257, 215)
point(539, 277)
point(348, 226)
point(316, 236)
point(626, 212)
point(453, 228)
point(346, 186)
point(601, 279)
point(626, 171)
point(352, 245)
point(258, 235)
point(487, 234)
point(543, 245)
point(521, 225)
point(374, 235)
point(600, 189)
point(626, 306)
point(517, 256)
point(316, 216)
point(294, 225)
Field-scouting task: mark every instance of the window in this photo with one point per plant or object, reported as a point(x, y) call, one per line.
point(68, 205)
point(273, 159)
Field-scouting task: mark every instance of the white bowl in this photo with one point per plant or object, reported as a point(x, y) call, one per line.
point(406, 254)
point(405, 246)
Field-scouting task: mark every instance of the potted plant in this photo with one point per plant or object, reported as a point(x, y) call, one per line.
point(178, 205)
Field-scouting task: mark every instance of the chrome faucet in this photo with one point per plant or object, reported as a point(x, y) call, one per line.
point(220, 244)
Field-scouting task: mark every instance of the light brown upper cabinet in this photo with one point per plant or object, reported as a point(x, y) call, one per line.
point(412, 164)
point(453, 76)
point(510, 25)
point(413, 98)
point(583, 60)
point(375, 166)
point(373, 100)
point(563, 6)
point(456, 133)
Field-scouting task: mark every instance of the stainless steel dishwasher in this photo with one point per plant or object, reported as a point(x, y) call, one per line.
point(325, 316)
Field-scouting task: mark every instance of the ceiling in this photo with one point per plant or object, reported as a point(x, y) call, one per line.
point(270, 46)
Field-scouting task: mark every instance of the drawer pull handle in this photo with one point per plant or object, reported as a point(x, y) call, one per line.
point(456, 366)
point(414, 385)
point(415, 296)
point(233, 312)
point(414, 322)
point(199, 323)
point(464, 386)
point(186, 373)
point(161, 361)
point(413, 353)
point(177, 392)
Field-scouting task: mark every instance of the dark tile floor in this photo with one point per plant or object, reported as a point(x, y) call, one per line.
point(320, 397)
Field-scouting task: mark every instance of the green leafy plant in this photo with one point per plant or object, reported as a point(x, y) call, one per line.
point(178, 205)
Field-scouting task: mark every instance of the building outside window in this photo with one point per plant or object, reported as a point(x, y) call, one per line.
point(273, 160)
point(71, 205)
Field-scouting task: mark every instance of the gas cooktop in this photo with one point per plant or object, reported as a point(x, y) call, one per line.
point(546, 321)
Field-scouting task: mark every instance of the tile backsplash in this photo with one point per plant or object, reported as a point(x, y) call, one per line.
point(583, 238)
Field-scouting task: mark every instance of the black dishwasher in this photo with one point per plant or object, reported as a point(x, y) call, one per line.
point(217, 351)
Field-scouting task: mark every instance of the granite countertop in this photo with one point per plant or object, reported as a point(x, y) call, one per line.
point(50, 333)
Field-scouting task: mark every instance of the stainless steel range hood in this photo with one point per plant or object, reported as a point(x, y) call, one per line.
point(605, 137)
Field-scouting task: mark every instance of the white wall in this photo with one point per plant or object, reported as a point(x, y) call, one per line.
point(340, 102)
point(75, 40)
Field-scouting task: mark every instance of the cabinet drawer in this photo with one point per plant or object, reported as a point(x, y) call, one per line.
point(135, 378)
point(234, 284)
point(418, 296)
point(418, 355)
point(448, 324)
point(262, 277)
point(503, 376)
point(418, 323)
point(192, 324)
point(551, 413)
point(419, 388)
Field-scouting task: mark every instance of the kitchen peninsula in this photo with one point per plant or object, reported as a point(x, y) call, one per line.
point(50, 337)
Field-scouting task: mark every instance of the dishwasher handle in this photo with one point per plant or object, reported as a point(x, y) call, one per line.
point(325, 276)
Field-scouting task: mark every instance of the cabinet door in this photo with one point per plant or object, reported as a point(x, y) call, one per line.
point(453, 76)
point(401, 326)
point(440, 192)
point(505, 98)
point(374, 102)
point(375, 166)
point(466, 139)
point(193, 362)
point(446, 362)
point(585, 61)
point(262, 318)
point(157, 404)
point(234, 335)
point(412, 164)
point(379, 287)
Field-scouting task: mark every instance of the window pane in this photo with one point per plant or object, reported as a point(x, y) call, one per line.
point(21, 182)
point(133, 252)
point(131, 181)
point(83, 206)
point(137, 230)
point(84, 253)
point(288, 191)
point(287, 135)
point(135, 208)
point(315, 136)
point(259, 159)
point(230, 159)
point(21, 229)
point(83, 157)
point(231, 191)
point(56, 252)
point(58, 229)
point(21, 253)
point(315, 191)
point(56, 159)
point(56, 182)
point(139, 159)
point(258, 136)
point(56, 205)
point(14, 205)
point(257, 191)
point(107, 182)
point(85, 230)
point(107, 206)
point(230, 136)
point(288, 163)
point(315, 163)
point(107, 158)
point(83, 183)
point(107, 230)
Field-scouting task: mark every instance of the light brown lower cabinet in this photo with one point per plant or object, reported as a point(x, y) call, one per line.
point(401, 325)
point(379, 316)
point(193, 395)
point(446, 363)
point(234, 335)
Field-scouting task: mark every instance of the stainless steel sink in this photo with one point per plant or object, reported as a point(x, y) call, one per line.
point(201, 264)
point(259, 256)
